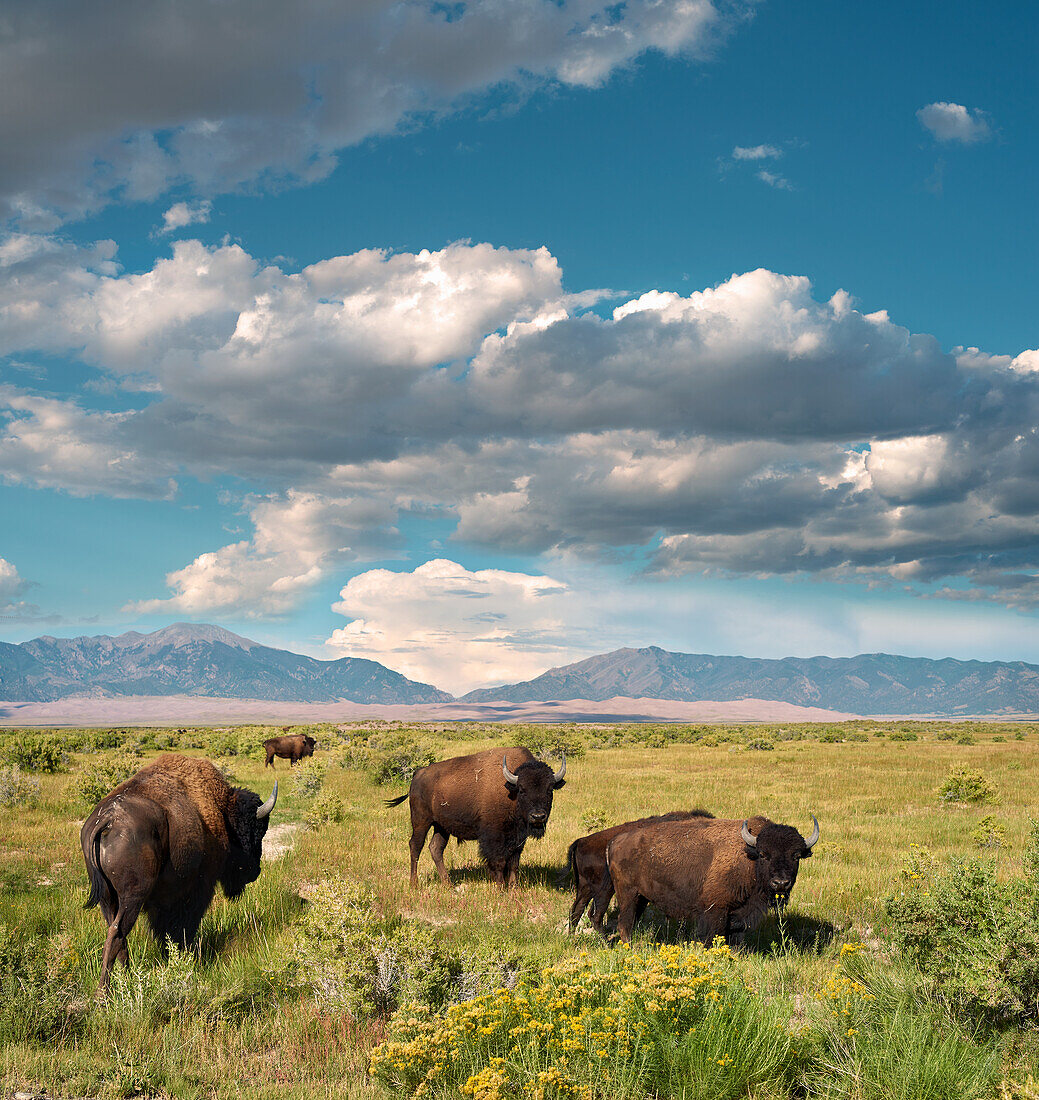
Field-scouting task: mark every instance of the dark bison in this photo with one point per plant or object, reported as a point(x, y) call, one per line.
point(586, 862)
point(292, 747)
point(498, 797)
point(162, 841)
point(721, 874)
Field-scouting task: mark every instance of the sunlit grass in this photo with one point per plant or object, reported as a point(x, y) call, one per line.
point(267, 1036)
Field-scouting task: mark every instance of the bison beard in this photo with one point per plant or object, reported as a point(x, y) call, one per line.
point(161, 841)
point(498, 797)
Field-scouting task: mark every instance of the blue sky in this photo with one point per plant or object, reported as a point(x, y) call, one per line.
point(476, 339)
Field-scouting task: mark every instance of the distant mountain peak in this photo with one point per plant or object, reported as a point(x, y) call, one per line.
point(195, 659)
point(181, 634)
point(871, 683)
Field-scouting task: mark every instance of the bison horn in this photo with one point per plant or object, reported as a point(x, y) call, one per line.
point(265, 809)
point(748, 837)
point(562, 771)
point(509, 777)
point(813, 839)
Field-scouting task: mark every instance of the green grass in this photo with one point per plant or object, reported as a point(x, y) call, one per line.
point(242, 1015)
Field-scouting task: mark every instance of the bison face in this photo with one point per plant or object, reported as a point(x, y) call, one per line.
point(531, 788)
point(778, 851)
point(247, 826)
point(308, 746)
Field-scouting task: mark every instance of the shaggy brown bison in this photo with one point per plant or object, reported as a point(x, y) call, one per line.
point(162, 841)
point(292, 747)
point(586, 862)
point(498, 797)
point(721, 874)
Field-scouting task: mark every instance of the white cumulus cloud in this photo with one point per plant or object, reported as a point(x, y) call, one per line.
point(952, 122)
point(182, 214)
point(454, 627)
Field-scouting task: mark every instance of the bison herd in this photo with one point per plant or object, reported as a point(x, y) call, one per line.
point(162, 841)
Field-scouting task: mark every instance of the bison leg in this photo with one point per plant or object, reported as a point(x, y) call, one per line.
point(714, 922)
point(512, 871)
point(270, 759)
point(418, 838)
point(496, 870)
point(115, 942)
point(437, 844)
point(585, 890)
point(628, 903)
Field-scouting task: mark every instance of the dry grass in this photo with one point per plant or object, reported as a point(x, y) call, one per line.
point(873, 799)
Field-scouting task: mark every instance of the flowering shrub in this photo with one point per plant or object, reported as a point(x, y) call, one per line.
point(327, 809)
point(602, 1025)
point(370, 963)
point(308, 777)
point(964, 784)
point(971, 932)
point(36, 754)
point(103, 773)
point(17, 789)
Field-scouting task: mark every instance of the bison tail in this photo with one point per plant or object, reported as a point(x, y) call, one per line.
point(100, 887)
point(397, 801)
point(570, 871)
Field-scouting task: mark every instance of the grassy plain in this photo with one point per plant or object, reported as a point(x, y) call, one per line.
point(243, 1016)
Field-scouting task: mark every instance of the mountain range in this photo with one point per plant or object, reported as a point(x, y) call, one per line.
point(189, 659)
point(194, 659)
point(872, 683)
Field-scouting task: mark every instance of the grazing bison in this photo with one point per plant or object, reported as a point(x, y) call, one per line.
point(498, 797)
point(162, 841)
point(293, 747)
point(722, 874)
point(586, 862)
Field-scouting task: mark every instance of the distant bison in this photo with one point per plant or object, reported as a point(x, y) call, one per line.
point(721, 874)
point(292, 747)
point(162, 841)
point(586, 862)
point(498, 797)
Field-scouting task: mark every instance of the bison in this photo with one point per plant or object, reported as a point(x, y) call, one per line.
point(721, 874)
point(498, 797)
point(586, 862)
point(293, 747)
point(162, 841)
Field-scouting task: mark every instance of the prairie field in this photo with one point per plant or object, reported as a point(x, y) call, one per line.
point(903, 966)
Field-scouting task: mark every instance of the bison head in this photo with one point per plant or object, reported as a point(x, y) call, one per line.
point(247, 826)
point(531, 788)
point(308, 745)
point(778, 851)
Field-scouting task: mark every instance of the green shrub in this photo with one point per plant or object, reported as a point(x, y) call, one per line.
point(974, 935)
point(966, 739)
point(593, 820)
point(394, 757)
point(988, 833)
point(761, 744)
point(308, 777)
point(369, 963)
point(17, 789)
point(102, 774)
point(945, 735)
point(37, 754)
point(40, 999)
point(902, 735)
point(830, 737)
point(327, 809)
point(964, 784)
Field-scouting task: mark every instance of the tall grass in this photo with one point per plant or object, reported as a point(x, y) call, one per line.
point(242, 1013)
